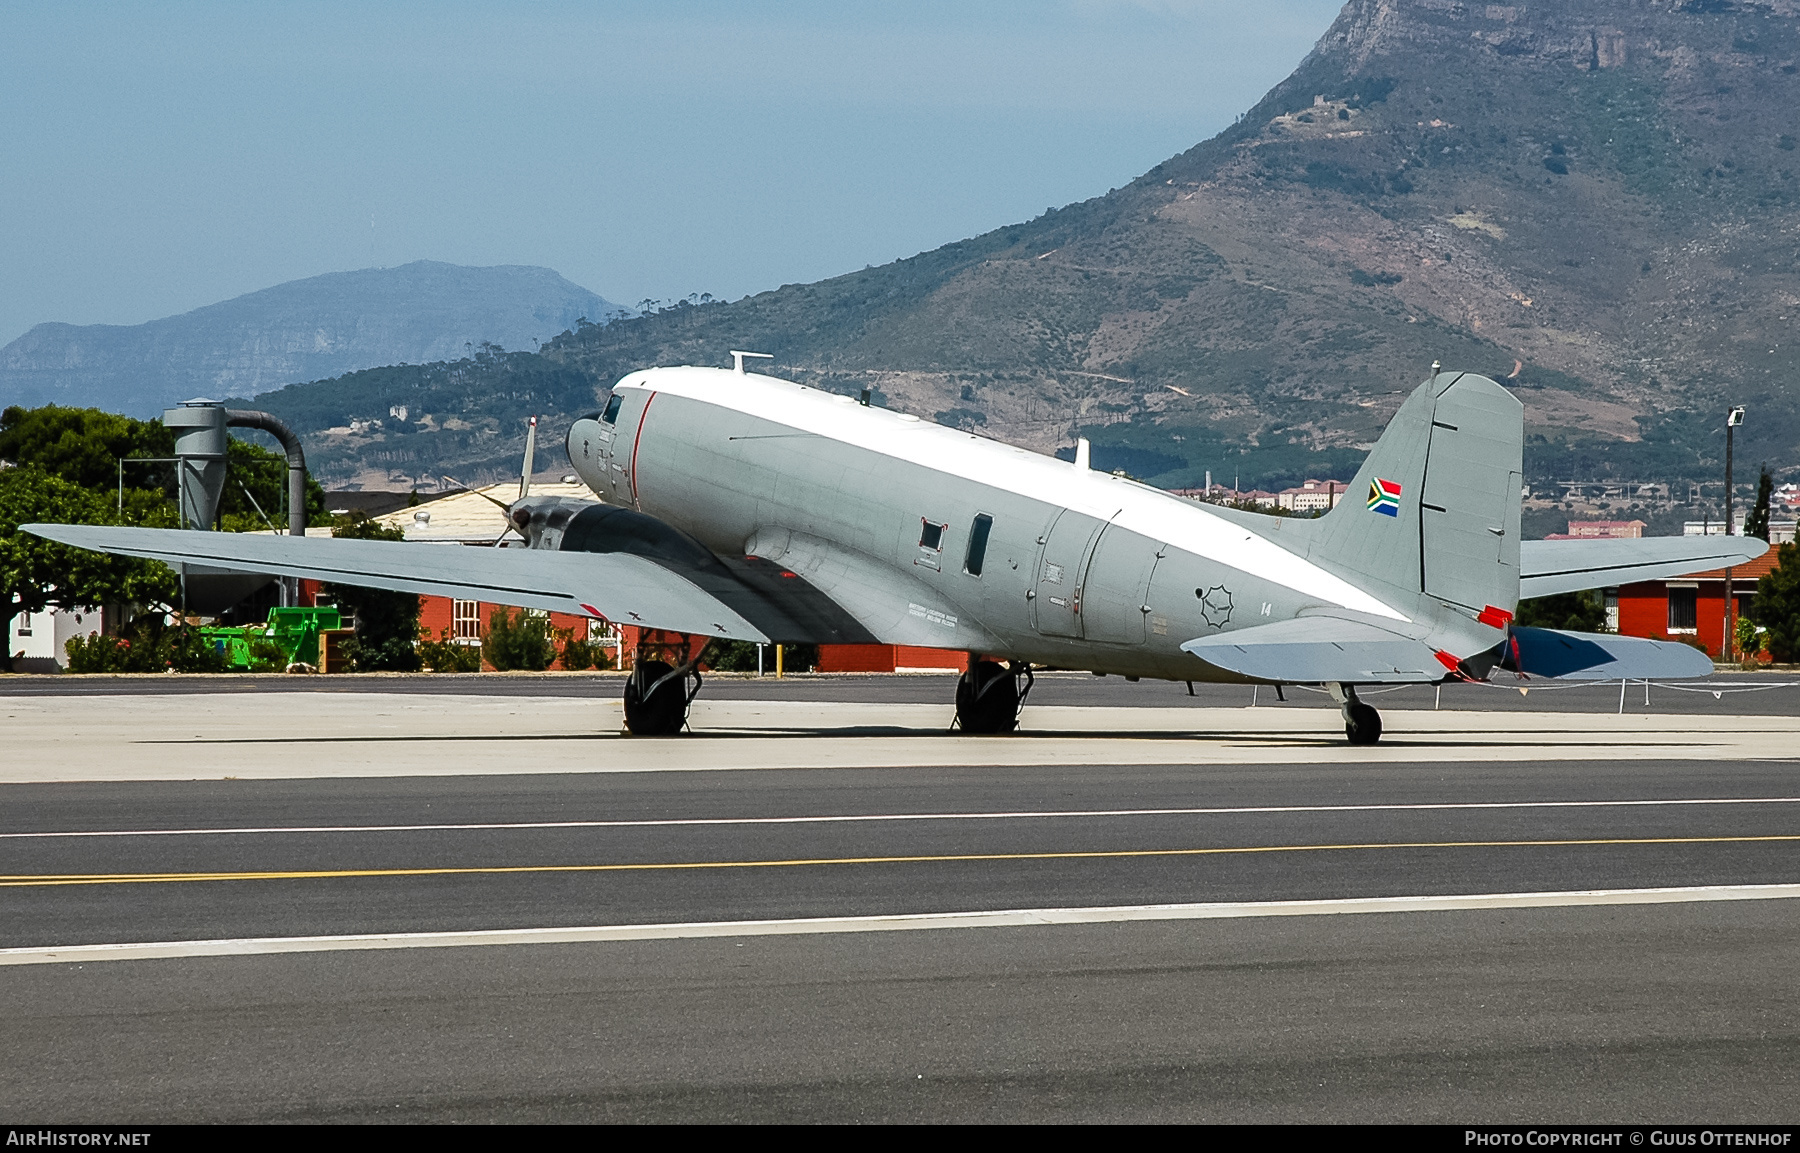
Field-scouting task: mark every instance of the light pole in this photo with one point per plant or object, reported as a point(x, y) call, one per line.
point(1733, 418)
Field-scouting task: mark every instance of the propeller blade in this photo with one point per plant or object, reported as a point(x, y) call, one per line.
point(530, 458)
point(497, 503)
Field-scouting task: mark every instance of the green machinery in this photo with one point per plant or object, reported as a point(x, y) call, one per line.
point(294, 631)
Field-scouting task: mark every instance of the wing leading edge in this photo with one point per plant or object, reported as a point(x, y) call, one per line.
point(1548, 567)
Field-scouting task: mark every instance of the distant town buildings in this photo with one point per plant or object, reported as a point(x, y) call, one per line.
point(1311, 495)
point(1221, 494)
point(1601, 530)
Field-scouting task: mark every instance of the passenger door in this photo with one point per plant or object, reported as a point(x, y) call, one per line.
point(1115, 588)
point(1062, 562)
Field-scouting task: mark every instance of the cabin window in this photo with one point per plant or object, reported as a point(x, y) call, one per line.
point(611, 415)
point(931, 536)
point(978, 538)
point(1684, 616)
point(466, 620)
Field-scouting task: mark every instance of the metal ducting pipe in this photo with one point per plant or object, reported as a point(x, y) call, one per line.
point(244, 418)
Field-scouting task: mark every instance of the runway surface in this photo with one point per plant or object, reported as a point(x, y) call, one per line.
point(211, 821)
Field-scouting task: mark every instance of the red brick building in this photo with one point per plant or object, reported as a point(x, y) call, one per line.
point(1688, 608)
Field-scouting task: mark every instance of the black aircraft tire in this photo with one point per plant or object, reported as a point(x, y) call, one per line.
point(1364, 725)
point(664, 712)
point(994, 711)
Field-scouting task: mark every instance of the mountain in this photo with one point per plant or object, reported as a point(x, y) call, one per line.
point(305, 329)
point(1594, 200)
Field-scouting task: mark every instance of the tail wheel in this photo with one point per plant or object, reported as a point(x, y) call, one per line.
point(656, 700)
point(987, 699)
point(1362, 724)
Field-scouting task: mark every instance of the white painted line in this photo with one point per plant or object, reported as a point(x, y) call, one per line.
point(256, 946)
point(1019, 815)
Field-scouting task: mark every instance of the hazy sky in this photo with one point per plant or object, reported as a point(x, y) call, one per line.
point(155, 158)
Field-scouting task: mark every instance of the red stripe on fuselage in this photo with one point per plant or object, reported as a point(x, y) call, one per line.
point(635, 441)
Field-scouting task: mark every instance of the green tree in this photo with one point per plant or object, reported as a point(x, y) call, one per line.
point(83, 446)
point(1777, 605)
point(1757, 523)
point(387, 622)
point(1579, 612)
point(36, 574)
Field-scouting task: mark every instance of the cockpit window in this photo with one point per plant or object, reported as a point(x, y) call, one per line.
point(611, 415)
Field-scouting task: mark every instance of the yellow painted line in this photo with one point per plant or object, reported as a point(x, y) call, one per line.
point(27, 880)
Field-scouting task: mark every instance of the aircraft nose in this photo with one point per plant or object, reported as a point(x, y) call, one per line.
point(586, 449)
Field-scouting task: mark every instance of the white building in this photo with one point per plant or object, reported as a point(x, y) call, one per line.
point(37, 641)
point(1311, 495)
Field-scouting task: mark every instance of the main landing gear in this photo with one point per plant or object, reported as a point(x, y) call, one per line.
point(990, 695)
point(1362, 724)
point(665, 676)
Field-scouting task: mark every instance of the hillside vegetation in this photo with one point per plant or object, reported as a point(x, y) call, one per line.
point(1591, 199)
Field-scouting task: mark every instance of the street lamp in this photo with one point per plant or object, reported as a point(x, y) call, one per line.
point(1733, 418)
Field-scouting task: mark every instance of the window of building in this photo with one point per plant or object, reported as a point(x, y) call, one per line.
point(465, 619)
point(611, 415)
point(978, 538)
point(1684, 614)
point(23, 628)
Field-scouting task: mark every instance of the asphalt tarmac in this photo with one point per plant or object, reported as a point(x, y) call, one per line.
point(1771, 693)
point(845, 1004)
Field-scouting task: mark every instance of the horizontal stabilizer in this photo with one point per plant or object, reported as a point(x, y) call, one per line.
point(1565, 566)
point(619, 587)
point(1317, 649)
point(1558, 655)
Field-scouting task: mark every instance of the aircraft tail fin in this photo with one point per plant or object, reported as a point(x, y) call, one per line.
point(1435, 507)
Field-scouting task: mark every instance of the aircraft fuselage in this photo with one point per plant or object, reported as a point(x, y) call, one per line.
point(947, 539)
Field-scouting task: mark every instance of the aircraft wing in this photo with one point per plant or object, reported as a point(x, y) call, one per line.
point(620, 587)
point(1313, 649)
point(1547, 567)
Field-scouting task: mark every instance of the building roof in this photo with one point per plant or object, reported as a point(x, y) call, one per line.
point(377, 502)
point(1751, 570)
point(467, 518)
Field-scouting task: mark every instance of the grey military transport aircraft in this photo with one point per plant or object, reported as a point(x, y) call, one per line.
point(737, 505)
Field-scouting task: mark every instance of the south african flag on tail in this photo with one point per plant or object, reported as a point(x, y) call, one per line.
point(1384, 497)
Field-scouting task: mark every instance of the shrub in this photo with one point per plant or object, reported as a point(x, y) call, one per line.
point(266, 656)
point(737, 657)
point(446, 656)
point(580, 655)
point(149, 645)
point(518, 639)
